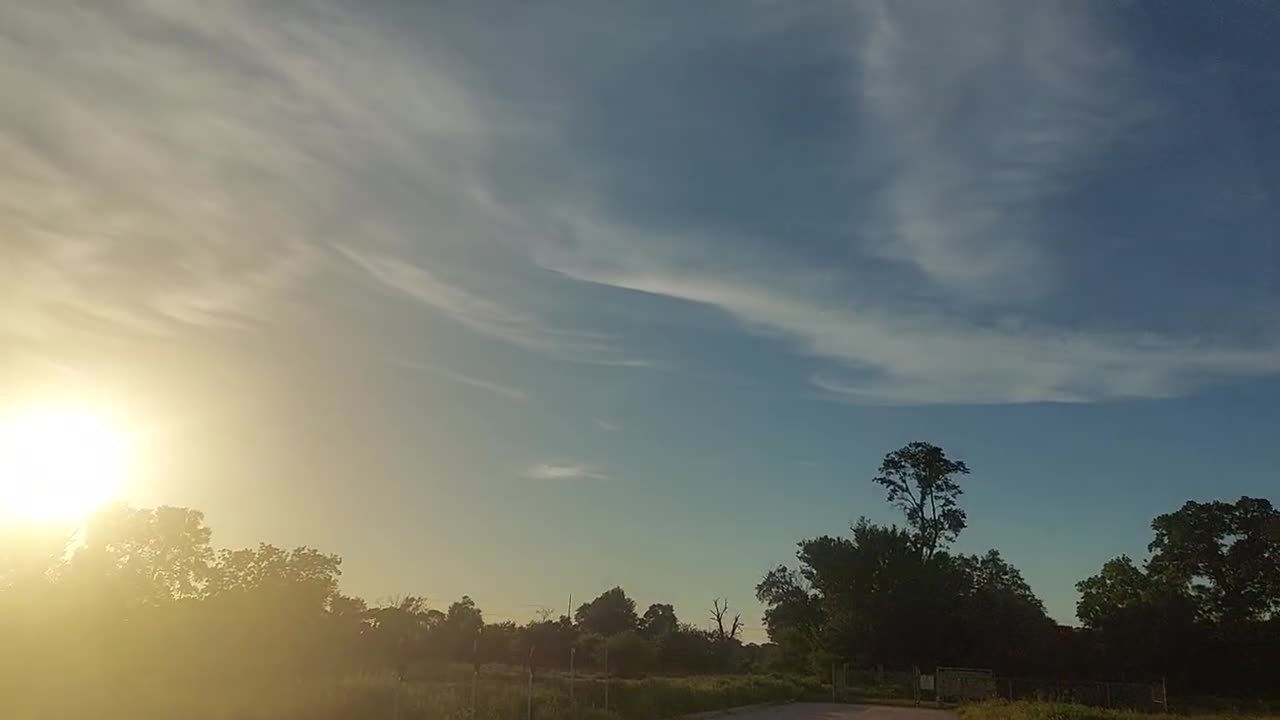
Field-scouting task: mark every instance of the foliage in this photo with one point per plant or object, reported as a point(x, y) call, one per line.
point(920, 480)
point(659, 621)
point(609, 614)
point(141, 611)
point(1203, 609)
point(872, 598)
point(1026, 710)
point(1226, 555)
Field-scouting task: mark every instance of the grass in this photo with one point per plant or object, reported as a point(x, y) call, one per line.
point(1031, 710)
point(499, 695)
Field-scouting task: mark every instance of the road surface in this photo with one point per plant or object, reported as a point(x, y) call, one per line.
point(832, 711)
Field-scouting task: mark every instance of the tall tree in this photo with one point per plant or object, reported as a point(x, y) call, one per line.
point(921, 481)
point(1226, 554)
point(609, 614)
point(658, 621)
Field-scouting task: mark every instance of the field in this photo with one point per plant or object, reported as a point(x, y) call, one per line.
point(499, 694)
point(1027, 710)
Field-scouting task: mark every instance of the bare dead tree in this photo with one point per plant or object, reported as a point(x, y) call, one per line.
point(719, 611)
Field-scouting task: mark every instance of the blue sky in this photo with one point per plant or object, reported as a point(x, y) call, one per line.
point(524, 300)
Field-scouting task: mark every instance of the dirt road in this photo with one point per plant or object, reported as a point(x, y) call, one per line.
point(830, 711)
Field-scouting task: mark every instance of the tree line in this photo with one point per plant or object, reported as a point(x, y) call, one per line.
point(146, 586)
point(1203, 611)
point(146, 589)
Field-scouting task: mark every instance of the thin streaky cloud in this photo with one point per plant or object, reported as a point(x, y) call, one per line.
point(608, 426)
point(506, 391)
point(935, 358)
point(556, 471)
point(485, 315)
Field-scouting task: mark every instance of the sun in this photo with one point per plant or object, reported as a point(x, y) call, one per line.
point(58, 465)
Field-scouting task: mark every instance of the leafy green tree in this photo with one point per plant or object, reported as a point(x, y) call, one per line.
point(630, 655)
point(146, 556)
point(609, 614)
point(551, 641)
point(1147, 625)
point(921, 482)
point(461, 629)
point(793, 617)
point(1006, 627)
point(659, 621)
point(1226, 554)
point(688, 650)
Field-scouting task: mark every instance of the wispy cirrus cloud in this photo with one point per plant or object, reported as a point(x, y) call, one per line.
point(487, 316)
point(557, 471)
point(507, 391)
point(169, 168)
point(901, 358)
point(984, 112)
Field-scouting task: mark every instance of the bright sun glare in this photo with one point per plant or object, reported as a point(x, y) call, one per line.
point(58, 465)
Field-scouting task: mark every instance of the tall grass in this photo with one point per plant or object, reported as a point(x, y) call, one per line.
point(499, 695)
point(1030, 710)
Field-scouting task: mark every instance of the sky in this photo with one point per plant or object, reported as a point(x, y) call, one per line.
point(528, 300)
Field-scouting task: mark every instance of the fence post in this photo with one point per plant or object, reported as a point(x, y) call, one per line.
point(572, 702)
point(528, 707)
point(915, 684)
point(1107, 685)
point(1009, 684)
point(475, 674)
point(395, 702)
point(833, 682)
point(606, 676)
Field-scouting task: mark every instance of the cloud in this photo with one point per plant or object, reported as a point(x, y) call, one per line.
point(983, 112)
point(608, 426)
point(551, 471)
point(506, 391)
point(170, 167)
point(902, 358)
point(487, 316)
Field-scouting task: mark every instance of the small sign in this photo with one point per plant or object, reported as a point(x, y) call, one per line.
point(926, 682)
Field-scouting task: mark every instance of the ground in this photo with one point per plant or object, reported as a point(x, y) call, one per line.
point(830, 711)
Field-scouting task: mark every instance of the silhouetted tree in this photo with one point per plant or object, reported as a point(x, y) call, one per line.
point(921, 481)
point(658, 621)
point(1226, 555)
point(609, 614)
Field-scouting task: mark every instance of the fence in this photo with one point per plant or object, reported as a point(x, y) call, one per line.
point(850, 683)
point(1129, 695)
point(512, 693)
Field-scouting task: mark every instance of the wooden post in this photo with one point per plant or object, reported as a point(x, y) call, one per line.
point(606, 676)
point(528, 708)
point(395, 702)
point(833, 681)
point(572, 652)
